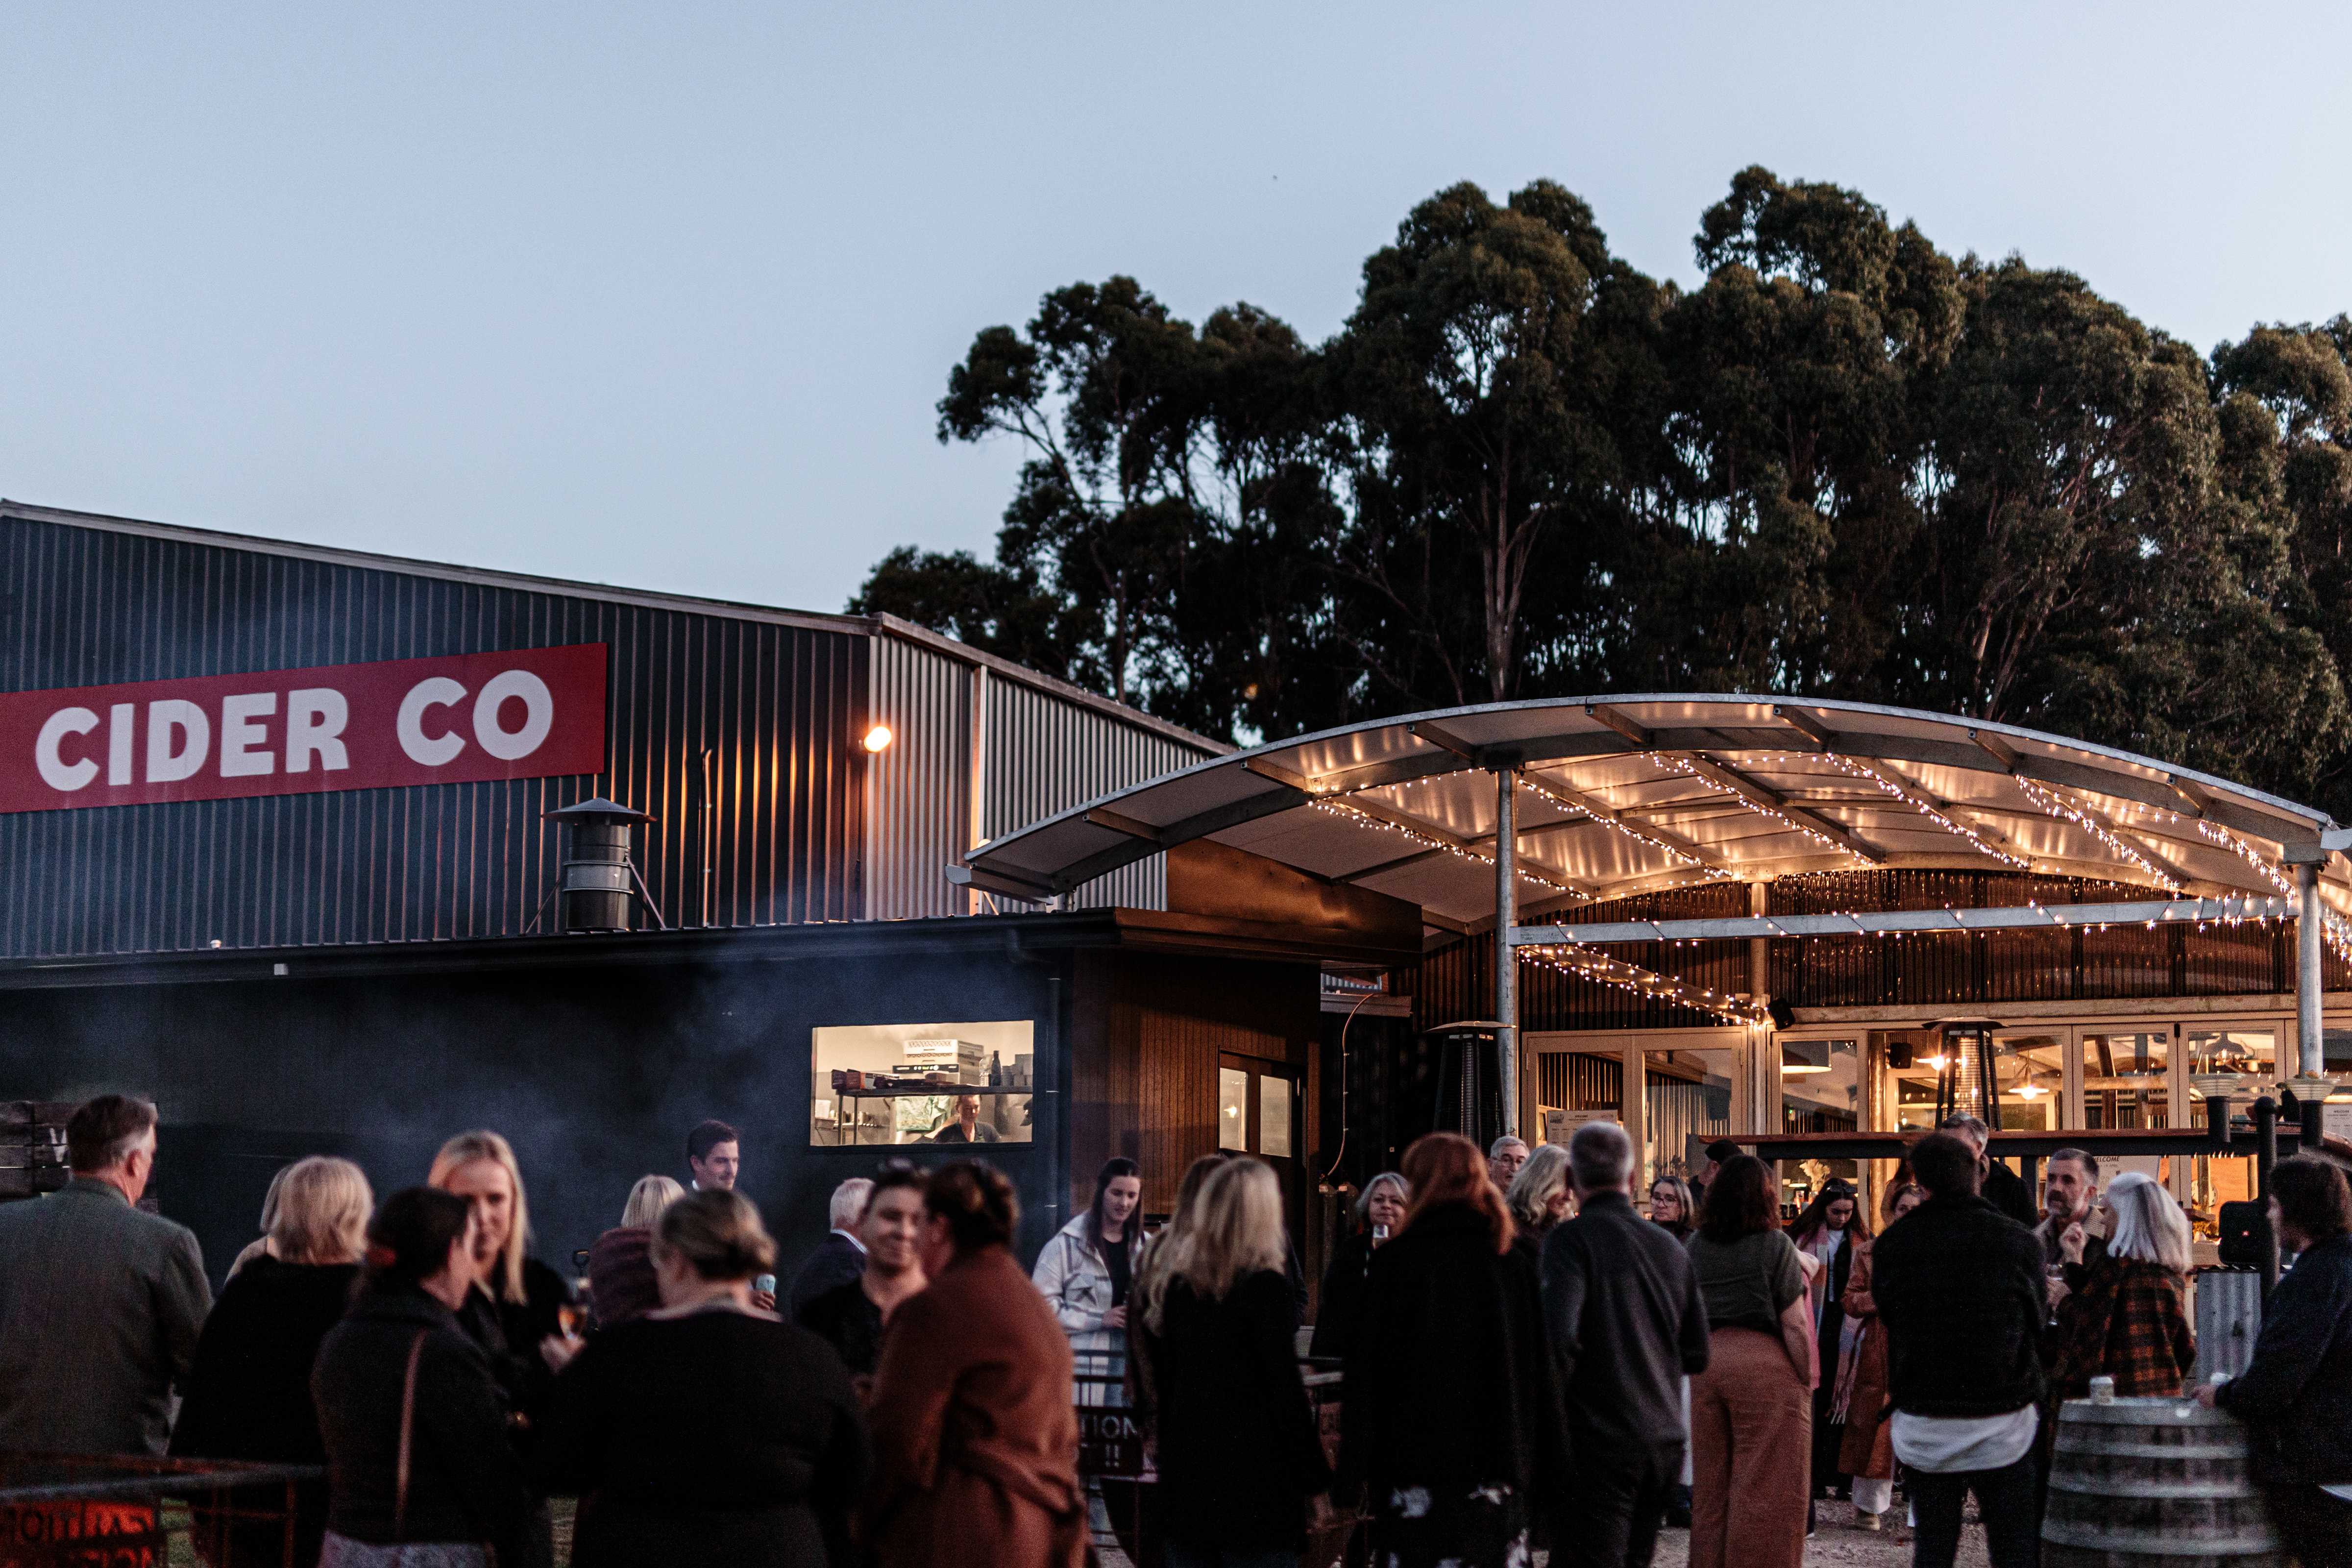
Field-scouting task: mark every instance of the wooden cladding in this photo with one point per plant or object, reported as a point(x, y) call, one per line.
point(1148, 1030)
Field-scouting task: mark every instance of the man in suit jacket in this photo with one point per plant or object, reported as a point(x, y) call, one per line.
point(100, 1303)
point(840, 1257)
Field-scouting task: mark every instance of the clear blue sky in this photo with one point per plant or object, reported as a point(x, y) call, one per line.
point(663, 295)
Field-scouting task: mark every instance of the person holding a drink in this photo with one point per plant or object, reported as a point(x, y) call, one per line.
point(1379, 1210)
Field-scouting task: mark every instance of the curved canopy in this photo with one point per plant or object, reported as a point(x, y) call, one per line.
point(1630, 795)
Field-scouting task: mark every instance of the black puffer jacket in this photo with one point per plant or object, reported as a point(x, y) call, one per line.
point(1959, 1289)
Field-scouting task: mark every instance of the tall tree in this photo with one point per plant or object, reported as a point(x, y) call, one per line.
point(1478, 440)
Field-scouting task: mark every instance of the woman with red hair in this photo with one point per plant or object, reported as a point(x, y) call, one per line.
point(1451, 1418)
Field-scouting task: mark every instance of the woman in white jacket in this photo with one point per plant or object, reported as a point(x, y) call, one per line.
point(1086, 1272)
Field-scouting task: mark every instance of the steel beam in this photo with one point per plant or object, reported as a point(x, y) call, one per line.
point(1506, 958)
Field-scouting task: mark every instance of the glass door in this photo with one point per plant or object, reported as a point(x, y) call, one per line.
point(1686, 1106)
point(1820, 1092)
point(1257, 1113)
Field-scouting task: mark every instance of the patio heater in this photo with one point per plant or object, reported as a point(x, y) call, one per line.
point(1965, 1085)
point(1469, 1091)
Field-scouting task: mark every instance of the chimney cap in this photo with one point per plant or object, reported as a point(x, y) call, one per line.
point(597, 810)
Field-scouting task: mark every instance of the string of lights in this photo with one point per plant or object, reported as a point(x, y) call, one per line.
point(2065, 811)
point(2335, 931)
point(1612, 824)
point(1586, 965)
point(1926, 809)
point(1526, 873)
point(1684, 770)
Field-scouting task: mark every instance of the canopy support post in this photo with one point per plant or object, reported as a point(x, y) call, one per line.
point(1507, 957)
point(2307, 975)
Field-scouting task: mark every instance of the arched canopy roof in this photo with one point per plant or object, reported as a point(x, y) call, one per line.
point(1622, 795)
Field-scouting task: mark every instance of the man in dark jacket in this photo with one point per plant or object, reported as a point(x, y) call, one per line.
point(1622, 1306)
point(840, 1257)
point(1960, 1289)
point(100, 1303)
point(1999, 1185)
point(2295, 1396)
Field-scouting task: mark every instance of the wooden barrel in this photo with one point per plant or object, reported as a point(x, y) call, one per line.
point(2153, 1483)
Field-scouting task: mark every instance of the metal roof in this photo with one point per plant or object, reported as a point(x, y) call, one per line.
point(1622, 795)
point(876, 624)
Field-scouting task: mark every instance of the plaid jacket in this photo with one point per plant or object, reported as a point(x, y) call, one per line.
point(2129, 1321)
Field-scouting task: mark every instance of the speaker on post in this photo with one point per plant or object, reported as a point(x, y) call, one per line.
point(1783, 1015)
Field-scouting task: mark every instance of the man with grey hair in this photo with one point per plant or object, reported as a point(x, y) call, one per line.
point(99, 1302)
point(1621, 1303)
point(1504, 1158)
point(841, 1255)
point(1999, 1187)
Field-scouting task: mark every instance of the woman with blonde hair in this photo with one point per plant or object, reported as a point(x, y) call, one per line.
point(1152, 1272)
point(517, 1307)
point(621, 1282)
point(710, 1430)
point(1452, 1416)
point(1239, 1453)
point(2130, 1319)
point(247, 1395)
point(648, 1198)
point(1540, 1197)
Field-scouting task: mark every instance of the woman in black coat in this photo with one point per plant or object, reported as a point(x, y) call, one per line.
point(710, 1431)
point(400, 1390)
point(1379, 1212)
point(247, 1395)
point(1239, 1452)
point(1451, 1417)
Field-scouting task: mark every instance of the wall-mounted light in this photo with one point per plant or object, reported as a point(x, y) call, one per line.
point(878, 737)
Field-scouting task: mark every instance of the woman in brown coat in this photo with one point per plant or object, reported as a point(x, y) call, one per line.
point(975, 1439)
point(1868, 1451)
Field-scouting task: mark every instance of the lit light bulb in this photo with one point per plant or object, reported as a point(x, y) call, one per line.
point(878, 737)
point(1938, 1062)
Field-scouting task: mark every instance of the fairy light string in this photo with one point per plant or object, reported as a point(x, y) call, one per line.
point(2065, 811)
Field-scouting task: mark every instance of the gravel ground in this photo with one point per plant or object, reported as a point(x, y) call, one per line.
point(1836, 1544)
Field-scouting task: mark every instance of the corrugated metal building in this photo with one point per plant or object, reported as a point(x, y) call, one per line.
point(736, 728)
point(196, 910)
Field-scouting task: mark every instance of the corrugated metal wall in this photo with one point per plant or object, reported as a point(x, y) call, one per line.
point(917, 792)
point(1040, 752)
point(1047, 753)
point(775, 838)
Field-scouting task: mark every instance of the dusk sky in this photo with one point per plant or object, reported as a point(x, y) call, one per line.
point(664, 295)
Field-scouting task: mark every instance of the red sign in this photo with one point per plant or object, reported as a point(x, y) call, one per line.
point(531, 714)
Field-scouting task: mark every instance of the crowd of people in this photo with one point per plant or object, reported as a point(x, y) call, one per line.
point(1530, 1360)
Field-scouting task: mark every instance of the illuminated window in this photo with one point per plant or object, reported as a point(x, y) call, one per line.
point(1274, 1117)
point(1232, 1110)
point(894, 1084)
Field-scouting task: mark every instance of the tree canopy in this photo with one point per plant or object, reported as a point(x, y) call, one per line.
point(1844, 465)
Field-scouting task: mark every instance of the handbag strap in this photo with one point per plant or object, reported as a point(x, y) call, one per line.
point(407, 1426)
